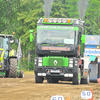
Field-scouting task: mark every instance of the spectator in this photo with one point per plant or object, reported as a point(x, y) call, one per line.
point(92, 41)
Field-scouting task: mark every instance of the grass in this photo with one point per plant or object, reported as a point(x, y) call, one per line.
point(29, 72)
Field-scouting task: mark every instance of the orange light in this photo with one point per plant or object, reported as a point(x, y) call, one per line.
point(45, 20)
point(68, 21)
point(13, 33)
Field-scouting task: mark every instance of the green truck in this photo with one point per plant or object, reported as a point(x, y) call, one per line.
point(60, 51)
point(8, 59)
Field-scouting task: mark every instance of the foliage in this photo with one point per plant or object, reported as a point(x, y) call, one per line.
point(20, 16)
point(93, 18)
point(64, 9)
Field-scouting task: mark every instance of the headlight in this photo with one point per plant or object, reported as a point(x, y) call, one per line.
point(70, 65)
point(35, 63)
point(55, 20)
point(76, 63)
point(50, 20)
point(64, 20)
point(71, 61)
point(40, 60)
point(39, 64)
point(59, 20)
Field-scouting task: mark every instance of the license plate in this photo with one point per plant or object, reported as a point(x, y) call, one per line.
point(55, 71)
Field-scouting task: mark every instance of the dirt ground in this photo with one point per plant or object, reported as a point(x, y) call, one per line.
point(27, 89)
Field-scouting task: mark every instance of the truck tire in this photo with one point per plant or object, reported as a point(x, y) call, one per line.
point(13, 68)
point(77, 79)
point(21, 74)
point(86, 80)
point(1, 76)
point(52, 81)
point(38, 79)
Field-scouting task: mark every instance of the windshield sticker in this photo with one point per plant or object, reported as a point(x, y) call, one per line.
point(57, 28)
point(55, 48)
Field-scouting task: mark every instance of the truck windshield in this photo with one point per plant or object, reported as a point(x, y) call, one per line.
point(56, 36)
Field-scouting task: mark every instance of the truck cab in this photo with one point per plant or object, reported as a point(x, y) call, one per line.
point(59, 49)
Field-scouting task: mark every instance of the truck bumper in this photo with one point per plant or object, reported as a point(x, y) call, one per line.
point(54, 72)
point(56, 75)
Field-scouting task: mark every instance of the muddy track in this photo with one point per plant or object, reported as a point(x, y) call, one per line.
point(27, 89)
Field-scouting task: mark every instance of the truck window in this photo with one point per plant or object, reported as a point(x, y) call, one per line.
point(56, 36)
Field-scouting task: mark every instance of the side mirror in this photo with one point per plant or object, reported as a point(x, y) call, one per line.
point(79, 37)
point(16, 41)
point(31, 35)
point(83, 38)
point(11, 41)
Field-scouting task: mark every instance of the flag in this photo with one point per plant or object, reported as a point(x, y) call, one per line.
point(19, 52)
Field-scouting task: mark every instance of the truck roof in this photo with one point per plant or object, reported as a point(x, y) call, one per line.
point(4, 35)
point(60, 21)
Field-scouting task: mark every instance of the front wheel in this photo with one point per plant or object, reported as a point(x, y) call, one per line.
point(38, 79)
point(77, 78)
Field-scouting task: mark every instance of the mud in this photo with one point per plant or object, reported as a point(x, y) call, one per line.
point(27, 89)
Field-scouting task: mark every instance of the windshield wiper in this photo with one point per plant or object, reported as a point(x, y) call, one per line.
point(45, 43)
point(61, 44)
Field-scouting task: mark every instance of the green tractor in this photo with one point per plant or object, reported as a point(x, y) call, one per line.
point(8, 59)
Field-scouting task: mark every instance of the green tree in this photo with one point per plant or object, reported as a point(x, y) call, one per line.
point(8, 15)
point(64, 9)
point(93, 18)
point(31, 11)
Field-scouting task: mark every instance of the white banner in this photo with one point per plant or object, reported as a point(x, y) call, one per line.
point(88, 52)
point(19, 52)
